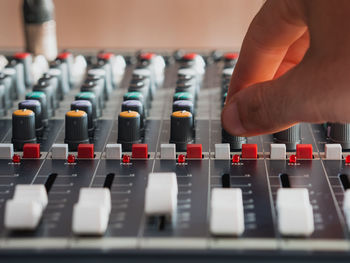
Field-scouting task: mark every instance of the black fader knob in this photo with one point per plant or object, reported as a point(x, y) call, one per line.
point(234, 141)
point(129, 129)
point(290, 137)
point(35, 106)
point(181, 129)
point(76, 129)
point(23, 128)
point(85, 105)
point(340, 133)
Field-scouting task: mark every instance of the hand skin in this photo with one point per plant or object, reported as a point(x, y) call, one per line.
point(294, 66)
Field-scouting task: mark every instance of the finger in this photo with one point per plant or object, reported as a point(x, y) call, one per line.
point(294, 54)
point(278, 104)
point(277, 25)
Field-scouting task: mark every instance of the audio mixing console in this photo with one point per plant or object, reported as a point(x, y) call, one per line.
point(121, 156)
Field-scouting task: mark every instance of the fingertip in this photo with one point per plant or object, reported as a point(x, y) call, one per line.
point(231, 121)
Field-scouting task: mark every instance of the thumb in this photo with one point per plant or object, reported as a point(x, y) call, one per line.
point(275, 105)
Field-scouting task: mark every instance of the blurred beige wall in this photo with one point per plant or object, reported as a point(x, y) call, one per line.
point(139, 23)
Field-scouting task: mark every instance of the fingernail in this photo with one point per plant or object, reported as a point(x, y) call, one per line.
point(231, 119)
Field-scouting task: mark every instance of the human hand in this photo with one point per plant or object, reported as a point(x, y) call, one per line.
point(294, 66)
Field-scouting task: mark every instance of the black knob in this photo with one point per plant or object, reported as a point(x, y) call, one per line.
point(60, 70)
point(48, 90)
point(23, 128)
point(6, 81)
point(234, 141)
point(291, 137)
point(96, 110)
point(181, 129)
point(129, 124)
point(53, 82)
point(16, 72)
point(135, 105)
point(86, 106)
point(41, 97)
point(143, 87)
point(340, 133)
point(187, 86)
point(76, 129)
point(95, 86)
point(35, 106)
point(183, 105)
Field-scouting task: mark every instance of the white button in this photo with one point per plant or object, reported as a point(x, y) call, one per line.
point(228, 71)
point(59, 151)
point(295, 214)
point(227, 212)
point(161, 194)
point(277, 151)
point(222, 151)
point(114, 151)
point(167, 151)
point(25, 209)
point(333, 151)
point(346, 206)
point(91, 213)
point(6, 150)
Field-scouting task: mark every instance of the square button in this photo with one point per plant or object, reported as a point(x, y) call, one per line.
point(277, 151)
point(139, 151)
point(304, 151)
point(249, 151)
point(31, 150)
point(168, 151)
point(114, 151)
point(86, 151)
point(333, 151)
point(222, 151)
point(6, 150)
point(194, 151)
point(59, 151)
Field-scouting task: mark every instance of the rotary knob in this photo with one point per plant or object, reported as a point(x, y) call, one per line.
point(41, 97)
point(129, 124)
point(34, 106)
point(234, 141)
point(86, 106)
point(76, 129)
point(181, 129)
point(290, 137)
point(23, 128)
point(340, 133)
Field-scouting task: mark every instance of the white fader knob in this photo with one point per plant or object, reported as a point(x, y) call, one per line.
point(227, 212)
point(25, 209)
point(91, 213)
point(295, 214)
point(161, 194)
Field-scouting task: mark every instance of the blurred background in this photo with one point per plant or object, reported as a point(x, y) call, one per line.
point(139, 23)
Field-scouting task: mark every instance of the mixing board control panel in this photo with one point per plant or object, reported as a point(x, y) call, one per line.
point(123, 153)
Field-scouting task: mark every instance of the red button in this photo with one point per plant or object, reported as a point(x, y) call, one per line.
point(304, 151)
point(139, 151)
point(31, 150)
point(194, 151)
point(189, 56)
point(250, 151)
point(64, 55)
point(86, 151)
point(147, 56)
point(16, 158)
point(231, 56)
point(106, 56)
point(21, 55)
